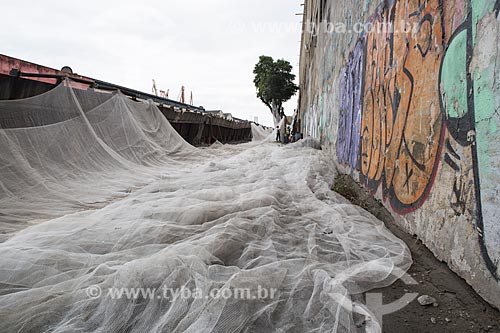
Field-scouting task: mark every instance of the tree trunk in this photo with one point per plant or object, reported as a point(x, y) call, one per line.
point(276, 110)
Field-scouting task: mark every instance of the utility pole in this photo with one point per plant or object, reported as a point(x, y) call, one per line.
point(183, 97)
point(155, 91)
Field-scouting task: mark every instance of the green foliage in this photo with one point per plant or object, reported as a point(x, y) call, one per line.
point(274, 81)
point(342, 187)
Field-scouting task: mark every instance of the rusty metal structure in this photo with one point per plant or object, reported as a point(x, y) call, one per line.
point(22, 79)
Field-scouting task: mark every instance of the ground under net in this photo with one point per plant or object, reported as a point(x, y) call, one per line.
point(127, 228)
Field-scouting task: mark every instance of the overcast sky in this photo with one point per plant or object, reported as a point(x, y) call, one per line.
point(209, 46)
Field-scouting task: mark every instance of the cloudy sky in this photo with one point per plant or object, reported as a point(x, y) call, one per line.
point(209, 46)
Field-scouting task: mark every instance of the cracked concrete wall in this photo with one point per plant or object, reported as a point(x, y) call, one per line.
point(404, 94)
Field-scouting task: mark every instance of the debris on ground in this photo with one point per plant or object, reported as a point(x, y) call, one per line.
point(425, 300)
point(467, 312)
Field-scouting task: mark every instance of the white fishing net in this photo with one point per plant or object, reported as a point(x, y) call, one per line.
point(260, 133)
point(245, 238)
point(72, 149)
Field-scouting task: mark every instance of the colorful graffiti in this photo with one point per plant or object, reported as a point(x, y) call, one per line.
point(413, 98)
point(402, 126)
point(351, 83)
point(468, 105)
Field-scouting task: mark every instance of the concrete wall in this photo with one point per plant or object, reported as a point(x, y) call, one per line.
point(414, 116)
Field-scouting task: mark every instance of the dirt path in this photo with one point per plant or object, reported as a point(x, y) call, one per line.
point(459, 308)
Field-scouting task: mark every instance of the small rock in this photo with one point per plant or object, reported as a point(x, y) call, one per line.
point(447, 319)
point(426, 300)
point(433, 320)
point(435, 304)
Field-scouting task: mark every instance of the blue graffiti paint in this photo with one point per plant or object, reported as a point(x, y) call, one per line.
point(351, 87)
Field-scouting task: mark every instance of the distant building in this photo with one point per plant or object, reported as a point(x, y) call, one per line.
point(217, 113)
point(220, 114)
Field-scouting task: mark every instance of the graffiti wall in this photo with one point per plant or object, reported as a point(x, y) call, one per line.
point(414, 116)
point(351, 92)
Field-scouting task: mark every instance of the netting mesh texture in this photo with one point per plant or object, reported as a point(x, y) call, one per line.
point(97, 191)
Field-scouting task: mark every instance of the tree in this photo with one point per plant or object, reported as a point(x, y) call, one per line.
point(274, 83)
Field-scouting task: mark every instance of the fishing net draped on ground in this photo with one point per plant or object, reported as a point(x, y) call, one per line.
point(71, 148)
point(133, 230)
